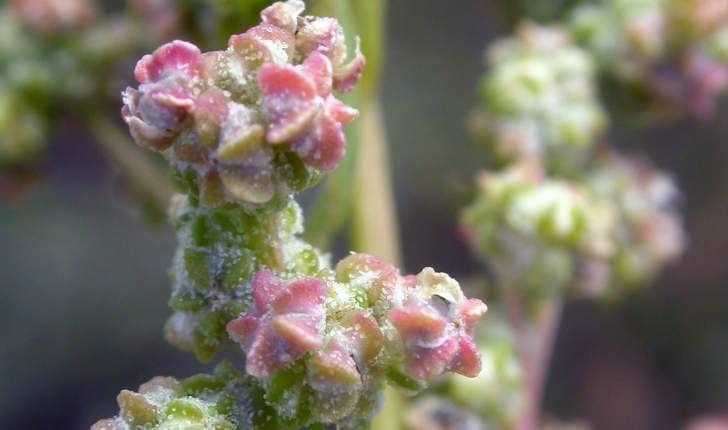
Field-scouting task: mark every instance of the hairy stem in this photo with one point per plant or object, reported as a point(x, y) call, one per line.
point(272, 242)
point(548, 327)
point(535, 348)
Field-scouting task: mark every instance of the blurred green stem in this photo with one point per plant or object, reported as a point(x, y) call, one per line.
point(535, 342)
point(374, 227)
point(146, 177)
point(360, 189)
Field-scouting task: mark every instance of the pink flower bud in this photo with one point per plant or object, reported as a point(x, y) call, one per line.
point(324, 35)
point(300, 110)
point(283, 15)
point(282, 323)
point(156, 111)
point(435, 324)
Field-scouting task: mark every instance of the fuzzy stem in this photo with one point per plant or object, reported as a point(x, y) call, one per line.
point(142, 173)
point(535, 355)
point(516, 313)
point(271, 224)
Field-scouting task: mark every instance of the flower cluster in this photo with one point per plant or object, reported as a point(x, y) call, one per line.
point(219, 253)
point(673, 50)
point(67, 57)
point(254, 123)
point(649, 234)
point(536, 231)
point(617, 226)
point(329, 341)
point(223, 400)
point(57, 59)
point(538, 100)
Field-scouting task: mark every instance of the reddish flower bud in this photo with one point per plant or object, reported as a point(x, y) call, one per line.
point(282, 323)
point(435, 324)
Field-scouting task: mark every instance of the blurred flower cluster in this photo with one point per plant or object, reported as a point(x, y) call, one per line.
point(69, 59)
point(61, 58)
point(564, 213)
point(675, 51)
point(560, 213)
point(659, 59)
point(539, 100)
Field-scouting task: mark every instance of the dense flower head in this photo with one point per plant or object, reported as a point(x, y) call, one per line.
point(253, 123)
point(617, 225)
point(670, 49)
point(650, 233)
point(537, 232)
point(538, 100)
point(329, 341)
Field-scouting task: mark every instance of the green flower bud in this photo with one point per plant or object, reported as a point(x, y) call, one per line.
point(539, 233)
point(166, 404)
point(539, 100)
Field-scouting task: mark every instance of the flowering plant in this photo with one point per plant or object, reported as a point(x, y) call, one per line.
point(560, 212)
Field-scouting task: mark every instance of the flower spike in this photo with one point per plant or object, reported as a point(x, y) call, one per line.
point(254, 123)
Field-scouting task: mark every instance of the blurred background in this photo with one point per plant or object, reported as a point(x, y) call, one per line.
point(83, 285)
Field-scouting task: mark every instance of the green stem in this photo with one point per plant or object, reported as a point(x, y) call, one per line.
point(144, 175)
point(374, 227)
point(342, 197)
point(535, 347)
point(272, 241)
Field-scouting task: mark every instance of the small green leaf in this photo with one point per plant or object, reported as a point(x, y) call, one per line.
point(197, 267)
point(405, 382)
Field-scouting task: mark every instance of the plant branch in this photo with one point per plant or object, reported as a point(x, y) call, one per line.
point(535, 350)
point(374, 225)
point(145, 176)
point(272, 241)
